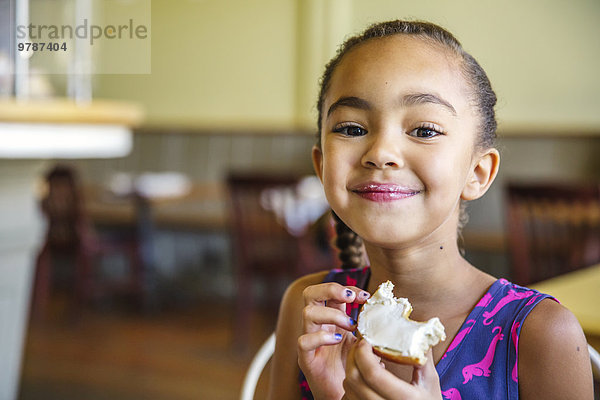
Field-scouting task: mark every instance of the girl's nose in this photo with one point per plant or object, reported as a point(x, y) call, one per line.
point(383, 152)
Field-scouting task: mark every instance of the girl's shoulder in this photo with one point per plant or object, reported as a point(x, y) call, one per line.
point(297, 286)
point(553, 356)
point(526, 345)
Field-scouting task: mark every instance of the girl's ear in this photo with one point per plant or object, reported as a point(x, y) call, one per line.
point(481, 175)
point(317, 158)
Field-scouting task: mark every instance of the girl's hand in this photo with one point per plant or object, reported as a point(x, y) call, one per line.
point(367, 378)
point(327, 336)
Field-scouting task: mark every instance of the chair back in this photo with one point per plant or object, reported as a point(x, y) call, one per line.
point(257, 365)
point(260, 240)
point(62, 207)
point(552, 229)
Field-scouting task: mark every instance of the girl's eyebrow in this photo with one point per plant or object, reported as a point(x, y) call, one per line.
point(349, 101)
point(407, 100)
point(412, 99)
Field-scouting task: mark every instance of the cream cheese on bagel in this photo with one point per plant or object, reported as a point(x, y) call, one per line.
point(384, 322)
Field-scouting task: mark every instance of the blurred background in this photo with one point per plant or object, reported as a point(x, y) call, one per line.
point(157, 197)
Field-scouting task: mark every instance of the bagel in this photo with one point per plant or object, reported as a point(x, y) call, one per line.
point(384, 322)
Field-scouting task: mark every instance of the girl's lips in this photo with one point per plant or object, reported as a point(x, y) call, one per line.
point(383, 192)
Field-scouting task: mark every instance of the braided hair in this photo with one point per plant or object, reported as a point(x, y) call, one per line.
point(482, 97)
point(350, 245)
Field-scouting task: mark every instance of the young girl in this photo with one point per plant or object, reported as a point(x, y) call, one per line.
point(406, 135)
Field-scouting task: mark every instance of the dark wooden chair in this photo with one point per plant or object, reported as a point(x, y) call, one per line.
point(552, 229)
point(264, 249)
point(70, 257)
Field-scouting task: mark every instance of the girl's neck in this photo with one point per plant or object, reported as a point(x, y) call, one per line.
point(433, 277)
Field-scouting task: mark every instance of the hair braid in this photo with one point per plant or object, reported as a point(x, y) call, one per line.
point(349, 244)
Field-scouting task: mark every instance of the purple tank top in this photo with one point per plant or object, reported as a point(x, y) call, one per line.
point(481, 361)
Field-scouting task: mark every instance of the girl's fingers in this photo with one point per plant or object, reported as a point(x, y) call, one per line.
point(380, 380)
point(312, 341)
point(333, 295)
point(314, 316)
point(361, 295)
point(355, 385)
point(359, 390)
point(426, 376)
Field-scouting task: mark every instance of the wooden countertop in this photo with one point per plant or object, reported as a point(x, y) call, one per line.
point(61, 110)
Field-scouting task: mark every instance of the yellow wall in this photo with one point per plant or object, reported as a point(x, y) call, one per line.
point(214, 63)
point(255, 64)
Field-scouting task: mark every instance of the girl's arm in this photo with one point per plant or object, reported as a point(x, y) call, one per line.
point(554, 362)
point(283, 383)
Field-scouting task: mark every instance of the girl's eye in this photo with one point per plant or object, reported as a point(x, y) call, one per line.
point(424, 132)
point(350, 130)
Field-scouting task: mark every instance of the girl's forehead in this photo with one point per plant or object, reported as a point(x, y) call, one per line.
point(396, 63)
point(401, 49)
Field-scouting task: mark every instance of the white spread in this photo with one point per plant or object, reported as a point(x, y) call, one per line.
point(384, 322)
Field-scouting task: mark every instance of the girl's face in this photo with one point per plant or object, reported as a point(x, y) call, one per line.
point(398, 139)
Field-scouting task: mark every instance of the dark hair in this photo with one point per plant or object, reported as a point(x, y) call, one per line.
point(350, 245)
point(481, 92)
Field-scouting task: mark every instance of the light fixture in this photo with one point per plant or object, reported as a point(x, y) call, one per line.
point(49, 141)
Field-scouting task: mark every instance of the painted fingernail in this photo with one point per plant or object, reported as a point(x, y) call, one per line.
point(352, 321)
point(364, 294)
point(348, 292)
point(337, 336)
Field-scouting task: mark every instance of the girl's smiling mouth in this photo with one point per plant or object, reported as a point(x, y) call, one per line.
point(383, 192)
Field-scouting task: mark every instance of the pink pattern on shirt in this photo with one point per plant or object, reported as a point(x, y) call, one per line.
point(485, 300)
point(349, 306)
point(482, 368)
point(304, 385)
point(511, 296)
point(533, 299)
point(452, 394)
point(459, 337)
point(515, 339)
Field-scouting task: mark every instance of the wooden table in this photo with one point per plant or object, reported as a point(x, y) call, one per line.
point(204, 208)
point(579, 291)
